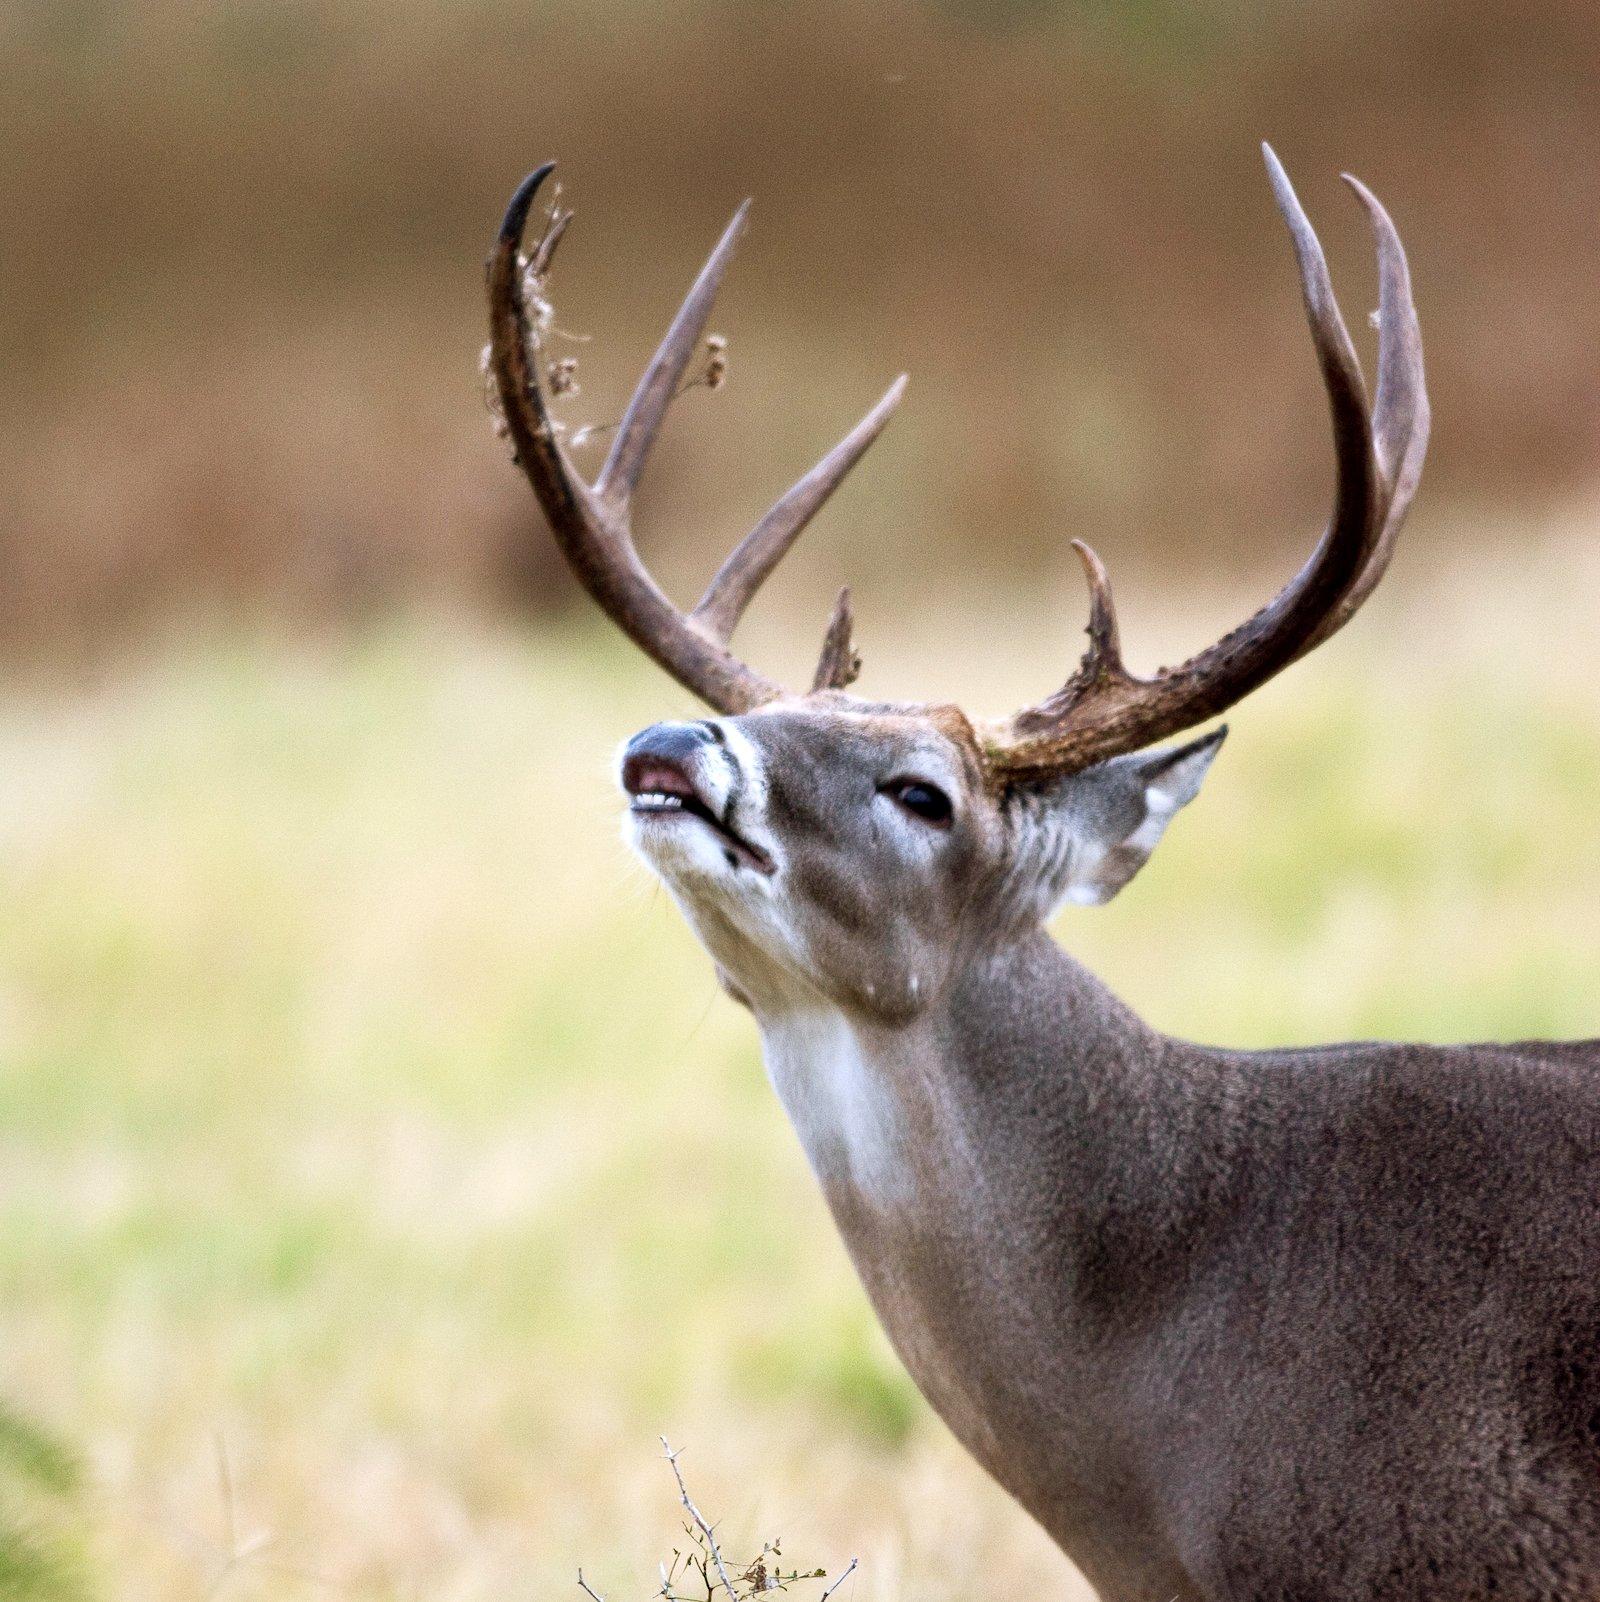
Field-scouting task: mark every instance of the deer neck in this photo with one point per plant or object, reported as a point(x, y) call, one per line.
point(1026, 1144)
point(1023, 1050)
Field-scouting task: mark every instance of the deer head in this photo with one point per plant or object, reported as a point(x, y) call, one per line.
point(858, 851)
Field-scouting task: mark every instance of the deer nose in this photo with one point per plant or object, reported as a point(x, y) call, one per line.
point(671, 742)
point(666, 745)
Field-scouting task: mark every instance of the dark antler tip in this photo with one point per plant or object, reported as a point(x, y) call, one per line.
point(516, 217)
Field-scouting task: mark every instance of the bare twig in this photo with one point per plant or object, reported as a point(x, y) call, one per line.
point(555, 226)
point(699, 1521)
point(698, 1572)
point(851, 1569)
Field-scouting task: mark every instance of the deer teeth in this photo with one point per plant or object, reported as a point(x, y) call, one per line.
point(658, 801)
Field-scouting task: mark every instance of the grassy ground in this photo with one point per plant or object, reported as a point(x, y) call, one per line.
point(380, 1171)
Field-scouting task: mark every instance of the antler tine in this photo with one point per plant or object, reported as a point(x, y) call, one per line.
point(512, 346)
point(1400, 416)
point(1104, 656)
point(1400, 413)
point(1336, 354)
point(592, 532)
point(659, 383)
point(755, 556)
point(1101, 713)
point(839, 665)
point(1102, 662)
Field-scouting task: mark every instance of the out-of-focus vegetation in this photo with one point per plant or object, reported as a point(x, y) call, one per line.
point(240, 289)
point(40, 1555)
point(367, 1115)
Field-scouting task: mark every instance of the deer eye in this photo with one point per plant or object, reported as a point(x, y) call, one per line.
point(921, 800)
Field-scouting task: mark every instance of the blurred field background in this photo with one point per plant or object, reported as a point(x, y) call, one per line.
point(380, 1170)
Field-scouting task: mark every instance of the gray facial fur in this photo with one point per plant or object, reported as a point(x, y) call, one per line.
point(869, 906)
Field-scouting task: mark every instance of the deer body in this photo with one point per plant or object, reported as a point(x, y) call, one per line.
point(1239, 1327)
point(1229, 1325)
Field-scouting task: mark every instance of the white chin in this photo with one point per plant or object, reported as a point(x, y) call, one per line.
point(677, 846)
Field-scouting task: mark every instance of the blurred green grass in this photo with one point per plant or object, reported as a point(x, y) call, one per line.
point(40, 1556)
point(363, 1108)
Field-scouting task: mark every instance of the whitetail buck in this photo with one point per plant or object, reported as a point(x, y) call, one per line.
point(1283, 1324)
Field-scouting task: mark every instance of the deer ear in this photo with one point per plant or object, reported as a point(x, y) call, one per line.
point(1114, 814)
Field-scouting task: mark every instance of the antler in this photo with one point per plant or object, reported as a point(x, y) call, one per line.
point(1103, 709)
point(592, 523)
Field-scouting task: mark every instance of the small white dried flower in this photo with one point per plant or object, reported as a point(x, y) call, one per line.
point(564, 376)
point(541, 313)
point(716, 361)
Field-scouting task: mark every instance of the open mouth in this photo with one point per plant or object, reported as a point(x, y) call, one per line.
point(663, 792)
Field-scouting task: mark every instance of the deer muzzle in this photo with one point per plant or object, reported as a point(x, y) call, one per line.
point(683, 776)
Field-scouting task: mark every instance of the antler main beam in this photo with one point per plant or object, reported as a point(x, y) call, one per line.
point(592, 523)
point(1103, 710)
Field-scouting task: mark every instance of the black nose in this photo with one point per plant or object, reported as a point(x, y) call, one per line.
point(670, 742)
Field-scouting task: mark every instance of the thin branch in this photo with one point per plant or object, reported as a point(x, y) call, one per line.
point(699, 1521)
point(840, 1581)
point(589, 1589)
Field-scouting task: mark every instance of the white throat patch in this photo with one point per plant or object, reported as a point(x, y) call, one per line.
point(841, 1102)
